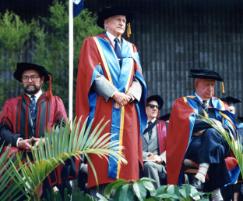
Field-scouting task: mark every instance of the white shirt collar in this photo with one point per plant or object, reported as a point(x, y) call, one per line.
point(152, 121)
point(37, 95)
point(200, 99)
point(111, 37)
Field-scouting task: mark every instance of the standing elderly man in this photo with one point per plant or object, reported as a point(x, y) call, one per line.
point(154, 142)
point(191, 138)
point(25, 118)
point(110, 85)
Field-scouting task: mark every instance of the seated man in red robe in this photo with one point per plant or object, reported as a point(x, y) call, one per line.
point(191, 138)
point(25, 118)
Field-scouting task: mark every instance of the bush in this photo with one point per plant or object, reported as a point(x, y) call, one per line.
point(143, 190)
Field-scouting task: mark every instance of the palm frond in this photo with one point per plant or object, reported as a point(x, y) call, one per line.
point(62, 143)
point(7, 171)
point(233, 142)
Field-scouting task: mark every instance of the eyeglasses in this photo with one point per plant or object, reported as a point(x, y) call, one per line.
point(153, 106)
point(26, 78)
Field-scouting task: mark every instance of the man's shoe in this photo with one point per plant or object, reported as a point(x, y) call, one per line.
point(197, 184)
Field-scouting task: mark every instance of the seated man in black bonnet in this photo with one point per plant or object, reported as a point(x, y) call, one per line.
point(191, 138)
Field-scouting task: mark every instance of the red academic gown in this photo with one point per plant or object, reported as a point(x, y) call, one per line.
point(161, 130)
point(180, 130)
point(15, 115)
point(177, 138)
point(98, 57)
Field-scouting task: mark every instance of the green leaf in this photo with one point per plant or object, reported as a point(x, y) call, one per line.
point(148, 185)
point(234, 143)
point(151, 199)
point(183, 193)
point(162, 189)
point(29, 176)
point(124, 193)
point(101, 197)
point(139, 190)
point(112, 187)
point(171, 189)
point(168, 196)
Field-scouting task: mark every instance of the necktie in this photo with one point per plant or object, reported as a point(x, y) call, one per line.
point(33, 108)
point(150, 130)
point(117, 49)
point(205, 105)
point(204, 108)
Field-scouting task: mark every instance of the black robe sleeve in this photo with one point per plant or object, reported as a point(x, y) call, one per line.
point(7, 137)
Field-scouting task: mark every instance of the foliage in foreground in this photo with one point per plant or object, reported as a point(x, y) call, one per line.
point(62, 143)
point(233, 142)
point(143, 190)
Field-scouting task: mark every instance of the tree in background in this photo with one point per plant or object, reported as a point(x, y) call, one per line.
point(84, 25)
point(43, 41)
point(14, 37)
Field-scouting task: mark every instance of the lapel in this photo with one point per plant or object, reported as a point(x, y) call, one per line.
point(146, 138)
point(26, 124)
point(32, 130)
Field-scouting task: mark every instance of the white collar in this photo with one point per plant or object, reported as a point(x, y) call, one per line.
point(111, 37)
point(37, 95)
point(152, 121)
point(200, 99)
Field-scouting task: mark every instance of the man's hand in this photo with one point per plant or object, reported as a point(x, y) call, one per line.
point(25, 144)
point(154, 158)
point(150, 157)
point(157, 159)
point(132, 98)
point(36, 141)
point(121, 98)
